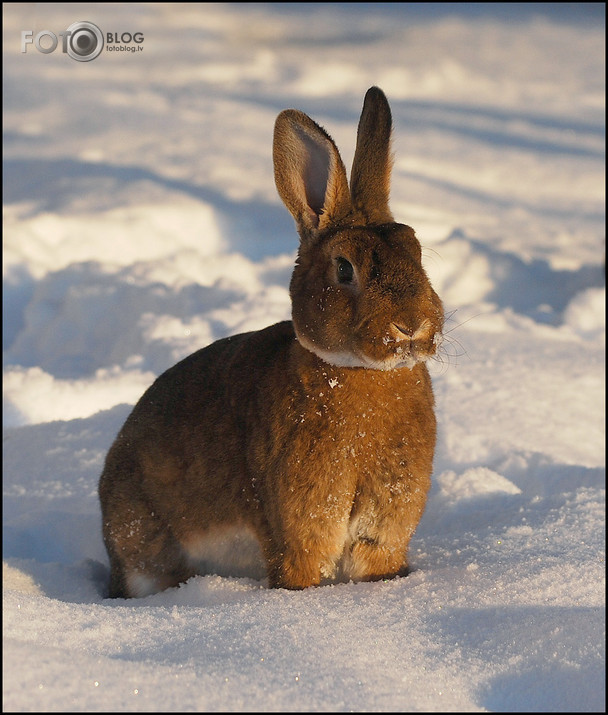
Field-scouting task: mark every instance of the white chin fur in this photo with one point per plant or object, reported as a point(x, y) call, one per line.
point(346, 359)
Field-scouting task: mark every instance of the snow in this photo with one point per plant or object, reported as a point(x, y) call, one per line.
point(141, 222)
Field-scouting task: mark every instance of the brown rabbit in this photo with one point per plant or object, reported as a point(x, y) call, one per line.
point(303, 451)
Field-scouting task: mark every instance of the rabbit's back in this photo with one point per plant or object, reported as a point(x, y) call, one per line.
point(192, 420)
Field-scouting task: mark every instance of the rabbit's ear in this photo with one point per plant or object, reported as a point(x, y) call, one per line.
point(371, 173)
point(309, 173)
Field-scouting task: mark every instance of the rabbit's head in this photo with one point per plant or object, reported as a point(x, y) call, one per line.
point(360, 296)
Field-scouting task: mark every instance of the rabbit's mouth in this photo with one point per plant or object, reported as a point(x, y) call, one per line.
point(399, 347)
point(402, 356)
point(387, 354)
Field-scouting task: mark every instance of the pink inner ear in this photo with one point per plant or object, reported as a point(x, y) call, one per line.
point(316, 174)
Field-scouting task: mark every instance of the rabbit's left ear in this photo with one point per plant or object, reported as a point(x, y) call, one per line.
point(371, 173)
point(309, 173)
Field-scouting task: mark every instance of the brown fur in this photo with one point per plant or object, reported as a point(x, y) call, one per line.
point(314, 437)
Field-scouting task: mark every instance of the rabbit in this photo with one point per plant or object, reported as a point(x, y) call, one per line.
point(301, 453)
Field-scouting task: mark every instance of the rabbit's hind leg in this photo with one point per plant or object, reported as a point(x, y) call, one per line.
point(145, 558)
point(369, 561)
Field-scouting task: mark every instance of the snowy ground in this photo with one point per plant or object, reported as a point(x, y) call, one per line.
point(141, 222)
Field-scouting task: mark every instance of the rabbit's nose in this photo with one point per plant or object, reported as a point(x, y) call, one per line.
point(424, 332)
point(401, 333)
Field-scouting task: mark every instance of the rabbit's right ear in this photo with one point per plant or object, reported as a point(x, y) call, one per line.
point(309, 173)
point(371, 173)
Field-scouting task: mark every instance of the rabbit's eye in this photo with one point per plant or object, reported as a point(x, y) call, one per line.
point(345, 271)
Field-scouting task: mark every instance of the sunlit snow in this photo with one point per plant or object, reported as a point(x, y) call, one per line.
point(141, 223)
